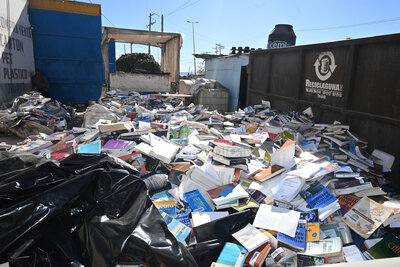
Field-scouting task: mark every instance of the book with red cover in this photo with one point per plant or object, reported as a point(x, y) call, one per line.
point(257, 257)
point(61, 155)
point(63, 145)
point(268, 173)
point(346, 202)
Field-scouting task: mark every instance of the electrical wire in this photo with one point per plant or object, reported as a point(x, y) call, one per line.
point(181, 7)
point(104, 15)
point(349, 25)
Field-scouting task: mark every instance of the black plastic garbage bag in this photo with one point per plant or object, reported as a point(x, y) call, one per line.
point(13, 161)
point(221, 228)
point(18, 185)
point(96, 215)
point(82, 163)
point(211, 237)
point(157, 183)
point(152, 240)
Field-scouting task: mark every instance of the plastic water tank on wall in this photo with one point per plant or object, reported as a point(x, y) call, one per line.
point(281, 36)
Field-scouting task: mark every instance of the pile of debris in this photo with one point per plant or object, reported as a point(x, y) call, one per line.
point(31, 114)
point(154, 181)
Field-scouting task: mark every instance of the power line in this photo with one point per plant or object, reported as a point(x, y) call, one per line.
point(188, 33)
point(175, 10)
point(181, 7)
point(104, 15)
point(350, 25)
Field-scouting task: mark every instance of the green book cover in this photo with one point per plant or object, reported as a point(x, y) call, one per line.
point(387, 248)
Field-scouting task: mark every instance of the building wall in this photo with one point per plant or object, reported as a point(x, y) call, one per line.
point(16, 49)
point(67, 46)
point(226, 70)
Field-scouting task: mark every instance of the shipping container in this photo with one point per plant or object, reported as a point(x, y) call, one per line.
point(356, 82)
point(67, 48)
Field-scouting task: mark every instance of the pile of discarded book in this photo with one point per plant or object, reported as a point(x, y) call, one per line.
point(159, 183)
point(32, 113)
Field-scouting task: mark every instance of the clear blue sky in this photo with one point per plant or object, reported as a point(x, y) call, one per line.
point(248, 23)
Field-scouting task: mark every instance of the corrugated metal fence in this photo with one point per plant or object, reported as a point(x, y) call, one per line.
point(67, 46)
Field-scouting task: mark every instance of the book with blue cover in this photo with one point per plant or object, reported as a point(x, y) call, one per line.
point(196, 201)
point(318, 196)
point(297, 243)
point(321, 199)
point(232, 255)
point(90, 148)
point(178, 229)
point(167, 206)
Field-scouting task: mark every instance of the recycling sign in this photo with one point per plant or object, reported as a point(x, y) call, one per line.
point(322, 85)
point(325, 65)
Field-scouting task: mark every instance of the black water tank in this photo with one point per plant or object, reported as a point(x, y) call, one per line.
point(281, 36)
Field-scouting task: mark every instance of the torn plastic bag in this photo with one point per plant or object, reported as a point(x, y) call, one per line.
point(82, 163)
point(18, 185)
point(47, 247)
point(12, 161)
point(38, 209)
point(211, 237)
point(207, 252)
point(95, 218)
point(151, 240)
point(221, 228)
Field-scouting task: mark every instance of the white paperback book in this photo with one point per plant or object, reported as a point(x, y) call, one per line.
point(250, 237)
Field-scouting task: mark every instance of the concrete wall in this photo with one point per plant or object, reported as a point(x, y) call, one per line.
point(16, 49)
point(141, 82)
point(226, 70)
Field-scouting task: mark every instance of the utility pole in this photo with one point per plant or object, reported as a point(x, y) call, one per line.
point(218, 47)
point(162, 23)
point(151, 23)
point(194, 46)
point(216, 50)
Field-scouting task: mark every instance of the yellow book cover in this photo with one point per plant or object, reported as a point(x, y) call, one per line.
point(312, 232)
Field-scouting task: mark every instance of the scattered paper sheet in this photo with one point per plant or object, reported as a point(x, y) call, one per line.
point(353, 254)
point(277, 219)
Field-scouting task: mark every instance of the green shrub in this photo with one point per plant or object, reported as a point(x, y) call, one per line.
point(138, 63)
